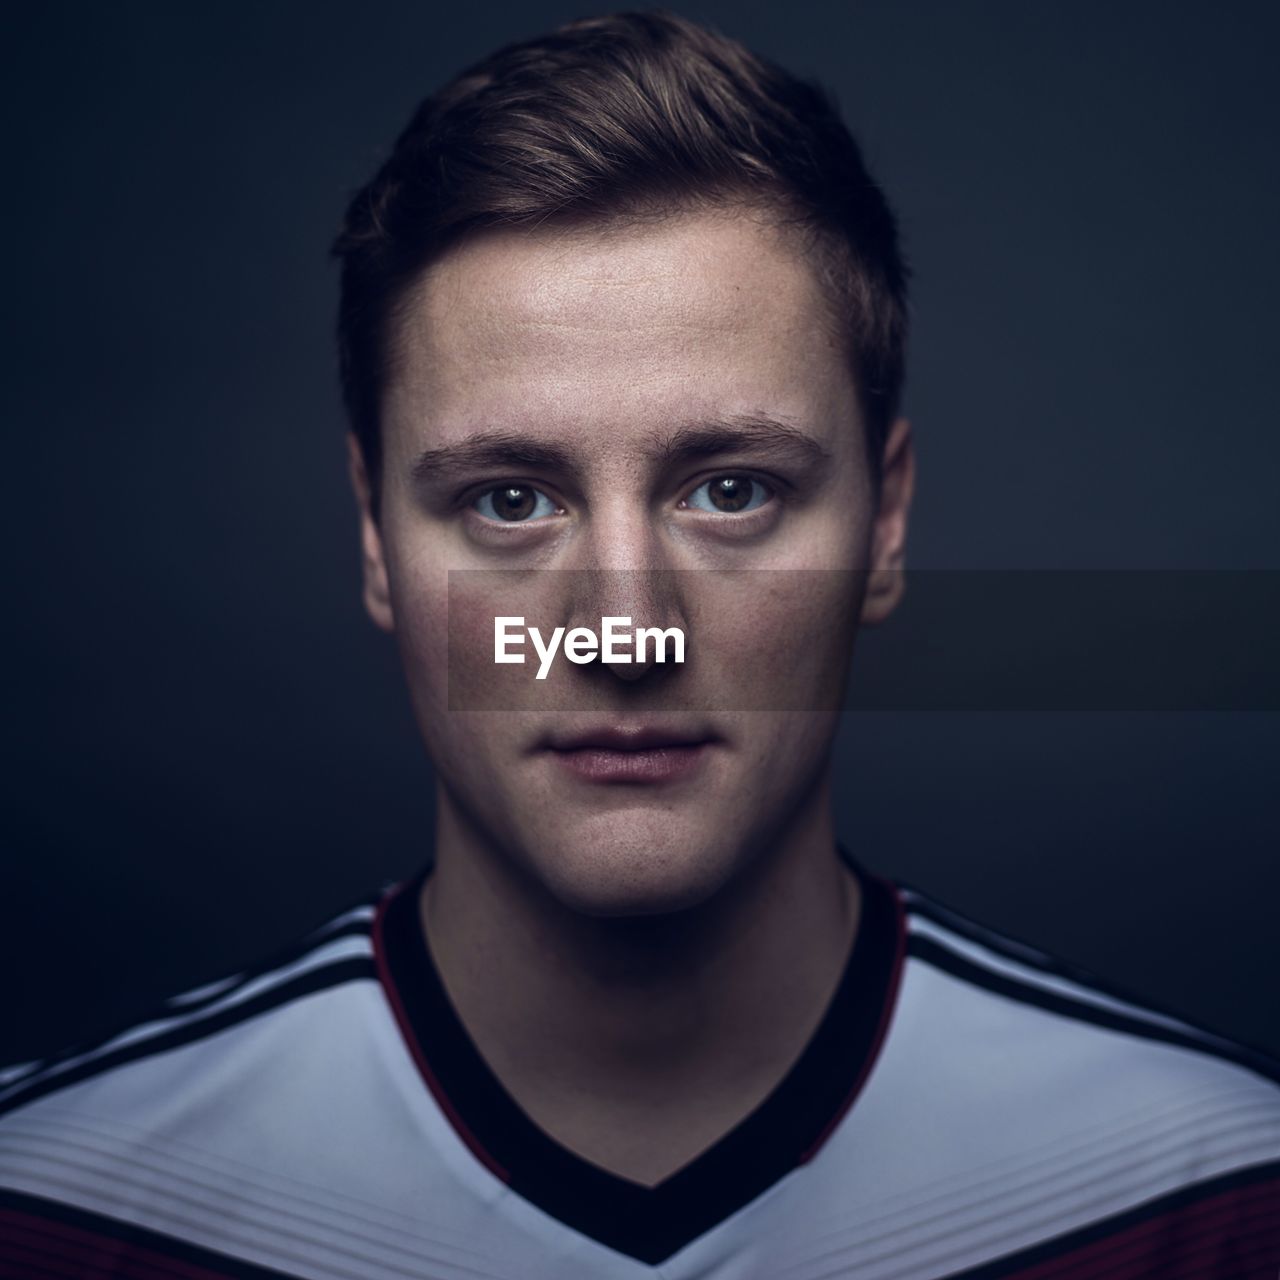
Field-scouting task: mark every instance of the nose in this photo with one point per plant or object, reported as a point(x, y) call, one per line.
point(649, 598)
point(628, 575)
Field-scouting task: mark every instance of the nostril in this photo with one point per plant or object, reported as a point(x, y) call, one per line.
point(648, 596)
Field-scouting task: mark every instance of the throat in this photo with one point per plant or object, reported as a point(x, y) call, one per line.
point(640, 1079)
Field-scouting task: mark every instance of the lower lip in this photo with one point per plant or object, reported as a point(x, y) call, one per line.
point(656, 764)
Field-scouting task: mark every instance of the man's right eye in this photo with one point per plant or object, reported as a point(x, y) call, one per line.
point(514, 504)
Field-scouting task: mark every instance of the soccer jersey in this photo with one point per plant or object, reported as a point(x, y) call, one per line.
point(967, 1107)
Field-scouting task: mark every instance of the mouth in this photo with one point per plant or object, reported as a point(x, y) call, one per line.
point(632, 754)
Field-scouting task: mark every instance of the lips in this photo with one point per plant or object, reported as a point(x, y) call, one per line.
point(628, 738)
point(621, 755)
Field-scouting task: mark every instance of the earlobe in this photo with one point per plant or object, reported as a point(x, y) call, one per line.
point(886, 580)
point(377, 592)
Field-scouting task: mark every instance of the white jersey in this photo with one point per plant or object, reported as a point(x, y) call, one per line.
point(968, 1107)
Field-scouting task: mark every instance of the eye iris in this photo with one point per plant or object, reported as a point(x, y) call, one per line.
point(731, 493)
point(515, 503)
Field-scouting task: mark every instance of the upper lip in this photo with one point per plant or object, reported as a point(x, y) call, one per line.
point(627, 738)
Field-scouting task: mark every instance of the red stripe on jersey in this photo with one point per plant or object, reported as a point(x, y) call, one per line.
point(59, 1249)
point(1233, 1235)
point(406, 1033)
point(886, 1016)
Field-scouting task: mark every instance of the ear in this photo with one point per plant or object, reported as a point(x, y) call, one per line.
point(377, 594)
point(886, 582)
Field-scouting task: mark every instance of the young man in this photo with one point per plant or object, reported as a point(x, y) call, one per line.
point(622, 338)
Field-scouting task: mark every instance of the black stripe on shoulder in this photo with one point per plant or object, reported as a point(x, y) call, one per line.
point(282, 959)
point(236, 981)
point(1024, 953)
point(942, 957)
point(920, 904)
point(73, 1233)
point(197, 1028)
point(1184, 1197)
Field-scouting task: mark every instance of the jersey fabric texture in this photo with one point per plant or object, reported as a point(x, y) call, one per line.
point(967, 1108)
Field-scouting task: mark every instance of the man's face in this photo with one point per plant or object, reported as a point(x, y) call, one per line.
point(592, 408)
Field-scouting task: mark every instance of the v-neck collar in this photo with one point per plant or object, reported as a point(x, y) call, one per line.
point(647, 1223)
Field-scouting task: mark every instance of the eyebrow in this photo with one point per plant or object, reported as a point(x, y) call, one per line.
point(497, 449)
point(758, 432)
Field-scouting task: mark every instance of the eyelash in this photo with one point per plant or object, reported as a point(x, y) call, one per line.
point(773, 488)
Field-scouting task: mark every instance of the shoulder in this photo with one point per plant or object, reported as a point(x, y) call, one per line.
point(1027, 1064)
point(158, 1142)
point(269, 1123)
point(235, 1045)
point(1065, 1017)
point(1024, 1117)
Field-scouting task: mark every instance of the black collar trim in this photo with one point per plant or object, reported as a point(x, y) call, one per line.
point(647, 1223)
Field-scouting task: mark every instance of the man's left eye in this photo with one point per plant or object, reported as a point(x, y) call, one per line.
point(729, 494)
point(514, 504)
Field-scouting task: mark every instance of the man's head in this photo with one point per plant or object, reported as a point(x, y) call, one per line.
point(606, 120)
point(624, 301)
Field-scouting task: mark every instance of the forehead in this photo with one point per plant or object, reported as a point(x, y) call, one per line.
point(604, 331)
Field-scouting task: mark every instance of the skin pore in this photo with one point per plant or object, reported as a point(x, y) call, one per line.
point(639, 964)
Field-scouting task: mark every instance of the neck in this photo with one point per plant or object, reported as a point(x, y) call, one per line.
point(595, 1023)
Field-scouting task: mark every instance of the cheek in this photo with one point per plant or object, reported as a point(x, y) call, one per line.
point(446, 660)
point(420, 602)
point(777, 639)
point(448, 625)
point(444, 624)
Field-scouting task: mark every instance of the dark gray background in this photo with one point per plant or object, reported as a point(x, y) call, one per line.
point(209, 749)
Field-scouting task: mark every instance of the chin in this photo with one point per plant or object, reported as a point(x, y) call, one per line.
point(635, 863)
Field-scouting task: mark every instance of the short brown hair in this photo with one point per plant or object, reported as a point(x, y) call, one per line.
point(612, 118)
